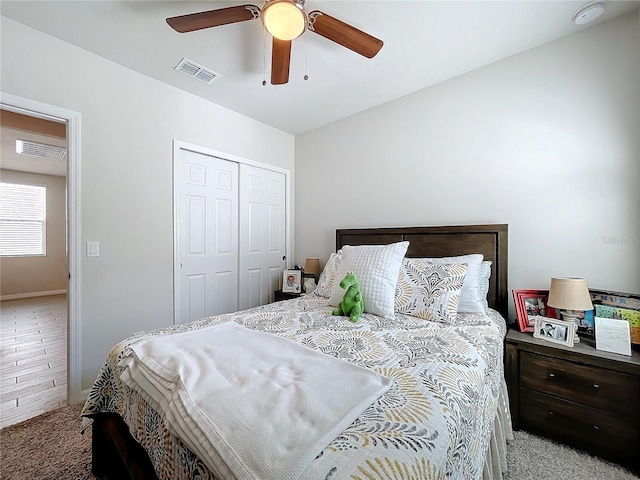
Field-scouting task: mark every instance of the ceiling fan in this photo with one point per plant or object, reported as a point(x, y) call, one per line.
point(284, 20)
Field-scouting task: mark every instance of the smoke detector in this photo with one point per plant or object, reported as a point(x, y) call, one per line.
point(588, 13)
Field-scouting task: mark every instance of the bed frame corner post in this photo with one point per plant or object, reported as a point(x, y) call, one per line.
point(99, 448)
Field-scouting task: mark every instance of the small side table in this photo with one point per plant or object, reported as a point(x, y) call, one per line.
point(580, 396)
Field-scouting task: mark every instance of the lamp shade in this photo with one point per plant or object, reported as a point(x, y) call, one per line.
point(312, 265)
point(569, 294)
point(284, 19)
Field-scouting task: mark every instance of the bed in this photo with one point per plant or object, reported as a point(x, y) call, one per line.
point(445, 414)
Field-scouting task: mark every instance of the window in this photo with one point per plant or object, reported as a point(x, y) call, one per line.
point(22, 220)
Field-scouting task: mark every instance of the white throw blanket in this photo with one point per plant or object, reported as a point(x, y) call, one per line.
point(250, 403)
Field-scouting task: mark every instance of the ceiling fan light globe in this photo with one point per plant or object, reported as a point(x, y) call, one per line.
point(284, 19)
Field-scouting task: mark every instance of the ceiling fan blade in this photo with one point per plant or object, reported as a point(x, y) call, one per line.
point(213, 18)
point(344, 34)
point(280, 61)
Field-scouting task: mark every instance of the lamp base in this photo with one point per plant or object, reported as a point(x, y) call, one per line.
point(309, 284)
point(571, 316)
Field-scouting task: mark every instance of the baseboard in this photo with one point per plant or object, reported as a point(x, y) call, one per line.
point(16, 296)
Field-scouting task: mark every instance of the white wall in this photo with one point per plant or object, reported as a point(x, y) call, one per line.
point(48, 272)
point(547, 141)
point(128, 124)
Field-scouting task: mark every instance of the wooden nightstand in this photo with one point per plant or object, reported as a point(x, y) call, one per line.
point(280, 295)
point(580, 396)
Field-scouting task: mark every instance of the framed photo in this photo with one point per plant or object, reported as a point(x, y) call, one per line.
point(292, 281)
point(585, 324)
point(554, 330)
point(619, 306)
point(530, 304)
point(630, 301)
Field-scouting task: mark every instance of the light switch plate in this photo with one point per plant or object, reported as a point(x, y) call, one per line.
point(93, 249)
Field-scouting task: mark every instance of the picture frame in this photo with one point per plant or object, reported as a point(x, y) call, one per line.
point(554, 330)
point(529, 304)
point(585, 323)
point(620, 306)
point(292, 281)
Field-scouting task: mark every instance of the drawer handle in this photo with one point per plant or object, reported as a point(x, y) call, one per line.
point(551, 413)
point(595, 385)
point(596, 427)
point(552, 375)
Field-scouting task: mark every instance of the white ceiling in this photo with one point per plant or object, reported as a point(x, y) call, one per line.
point(425, 42)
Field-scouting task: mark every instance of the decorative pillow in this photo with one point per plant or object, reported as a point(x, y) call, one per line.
point(377, 268)
point(328, 276)
point(430, 290)
point(470, 299)
point(483, 283)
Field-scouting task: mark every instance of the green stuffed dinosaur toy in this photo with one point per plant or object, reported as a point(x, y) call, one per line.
point(352, 304)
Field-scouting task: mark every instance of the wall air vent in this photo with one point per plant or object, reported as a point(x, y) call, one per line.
point(26, 147)
point(196, 71)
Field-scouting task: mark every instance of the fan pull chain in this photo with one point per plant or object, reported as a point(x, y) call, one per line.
point(264, 57)
point(306, 57)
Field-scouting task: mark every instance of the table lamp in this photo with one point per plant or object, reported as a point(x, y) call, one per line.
point(570, 296)
point(311, 270)
point(312, 267)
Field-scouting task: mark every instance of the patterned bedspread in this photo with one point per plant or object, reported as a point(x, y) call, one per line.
point(435, 422)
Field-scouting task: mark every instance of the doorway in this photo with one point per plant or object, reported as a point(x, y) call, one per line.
point(39, 112)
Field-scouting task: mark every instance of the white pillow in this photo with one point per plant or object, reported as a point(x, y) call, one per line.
point(430, 290)
point(470, 299)
point(376, 267)
point(483, 283)
point(328, 276)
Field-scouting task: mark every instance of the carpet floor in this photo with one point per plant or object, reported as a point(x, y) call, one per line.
point(47, 447)
point(51, 447)
point(534, 458)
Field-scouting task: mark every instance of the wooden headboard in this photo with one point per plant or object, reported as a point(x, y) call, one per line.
point(489, 240)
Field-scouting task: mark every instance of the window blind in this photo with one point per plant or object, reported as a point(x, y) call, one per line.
point(22, 219)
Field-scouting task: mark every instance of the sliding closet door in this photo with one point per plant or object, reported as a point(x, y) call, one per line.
point(262, 234)
point(207, 236)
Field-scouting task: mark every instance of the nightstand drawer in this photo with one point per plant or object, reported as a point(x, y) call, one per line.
point(600, 432)
point(595, 387)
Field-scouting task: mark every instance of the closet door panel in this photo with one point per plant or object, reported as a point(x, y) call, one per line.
point(207, 236)
point(262, 234)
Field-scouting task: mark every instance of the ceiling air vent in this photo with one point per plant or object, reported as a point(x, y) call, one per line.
point(196, 71)
point(25, 147)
